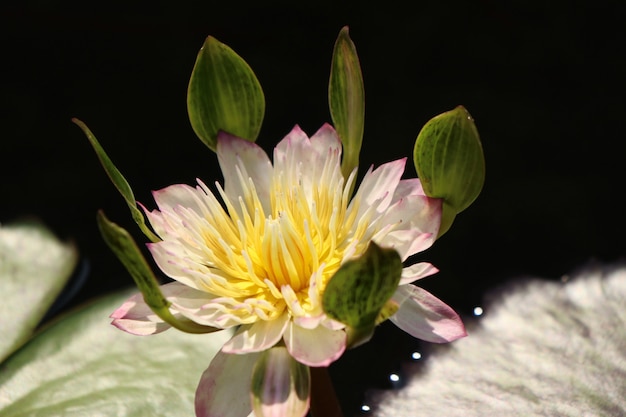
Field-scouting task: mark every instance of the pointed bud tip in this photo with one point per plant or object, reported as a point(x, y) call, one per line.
point(449, 159)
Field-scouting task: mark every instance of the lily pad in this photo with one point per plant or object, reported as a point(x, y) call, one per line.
point(34, 267)
point(83, 366)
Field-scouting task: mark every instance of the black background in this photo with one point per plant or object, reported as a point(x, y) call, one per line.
point(544, 81)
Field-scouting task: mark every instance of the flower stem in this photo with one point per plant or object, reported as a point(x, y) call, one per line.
point(324, 401)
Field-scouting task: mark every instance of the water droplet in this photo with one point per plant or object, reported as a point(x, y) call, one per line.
point(394, 377)
point(365, 408)
point(478, 311)
point(416, 356)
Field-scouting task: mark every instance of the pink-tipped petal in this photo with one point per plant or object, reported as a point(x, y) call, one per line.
point(294, 143)
point(415, 211)
point(135, 317)
point(417, 271)
point(407, 187)
point(224, 388)
point(308, 322)
point(324, 139)
point(314, 347)
point(378, 186)
point(427, 217)
point(413, 223)
point(424, 316)
point(155, 217)
point(280, 385)
point(239, 161)
point(406, 242)
point(302, 159)
point(258, 336)
point(171, 257)
point(176, 195)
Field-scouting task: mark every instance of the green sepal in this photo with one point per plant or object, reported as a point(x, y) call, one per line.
point(449, 160)
point(118, 180)
point(224, 95)
point(346, 100)
point(126, 250)
point(389, 309)
point(360, 289)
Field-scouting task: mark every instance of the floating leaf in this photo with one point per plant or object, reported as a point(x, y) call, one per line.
point(34, 267)
point(224, 94)
point(83, 366)
point(118, 180)
point(449, 160)
point(125, 248)
point(360, 289)
point(346, 99)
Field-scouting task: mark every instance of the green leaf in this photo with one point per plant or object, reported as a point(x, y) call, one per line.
point(224, 94)
point(34, 267)
point(449, 160)
point(125, 248)
point(346, 99)
point(118, 180)
point(83, 366)
point(360, 289)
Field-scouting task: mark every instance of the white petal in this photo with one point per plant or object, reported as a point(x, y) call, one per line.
point(235, 154)
point(309, 322)
point(418, 214)
point(199, 306)
point(302, 162)
point(169, 198)
point(415, 211)
point(182, 296)
point(224, 389)
point(212, 314)
point(424, 316)
point(407, 187)
point(156, 221)
point(134, 316)
point(333, 324)
point(325, 139)
point(292, 148)
point(314, 347)
point(170, 257)
point(166, 221)
point(256, 337)
point(378, 186)
point(417, 271)
point(406, 242)
point(280, 385)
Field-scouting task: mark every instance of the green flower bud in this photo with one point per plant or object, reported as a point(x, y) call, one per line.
point(224, 94)
point(449, 160)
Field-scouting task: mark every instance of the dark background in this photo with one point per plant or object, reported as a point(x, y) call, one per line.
point(544, 81)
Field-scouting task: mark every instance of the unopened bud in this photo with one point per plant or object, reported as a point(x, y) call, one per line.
point(449, 160)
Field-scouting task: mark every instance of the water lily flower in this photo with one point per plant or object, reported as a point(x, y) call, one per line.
point(258, 253)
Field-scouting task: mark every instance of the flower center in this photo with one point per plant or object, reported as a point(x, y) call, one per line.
point(272, 260)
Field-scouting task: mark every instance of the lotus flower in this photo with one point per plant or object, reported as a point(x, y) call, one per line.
point(260, 256)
